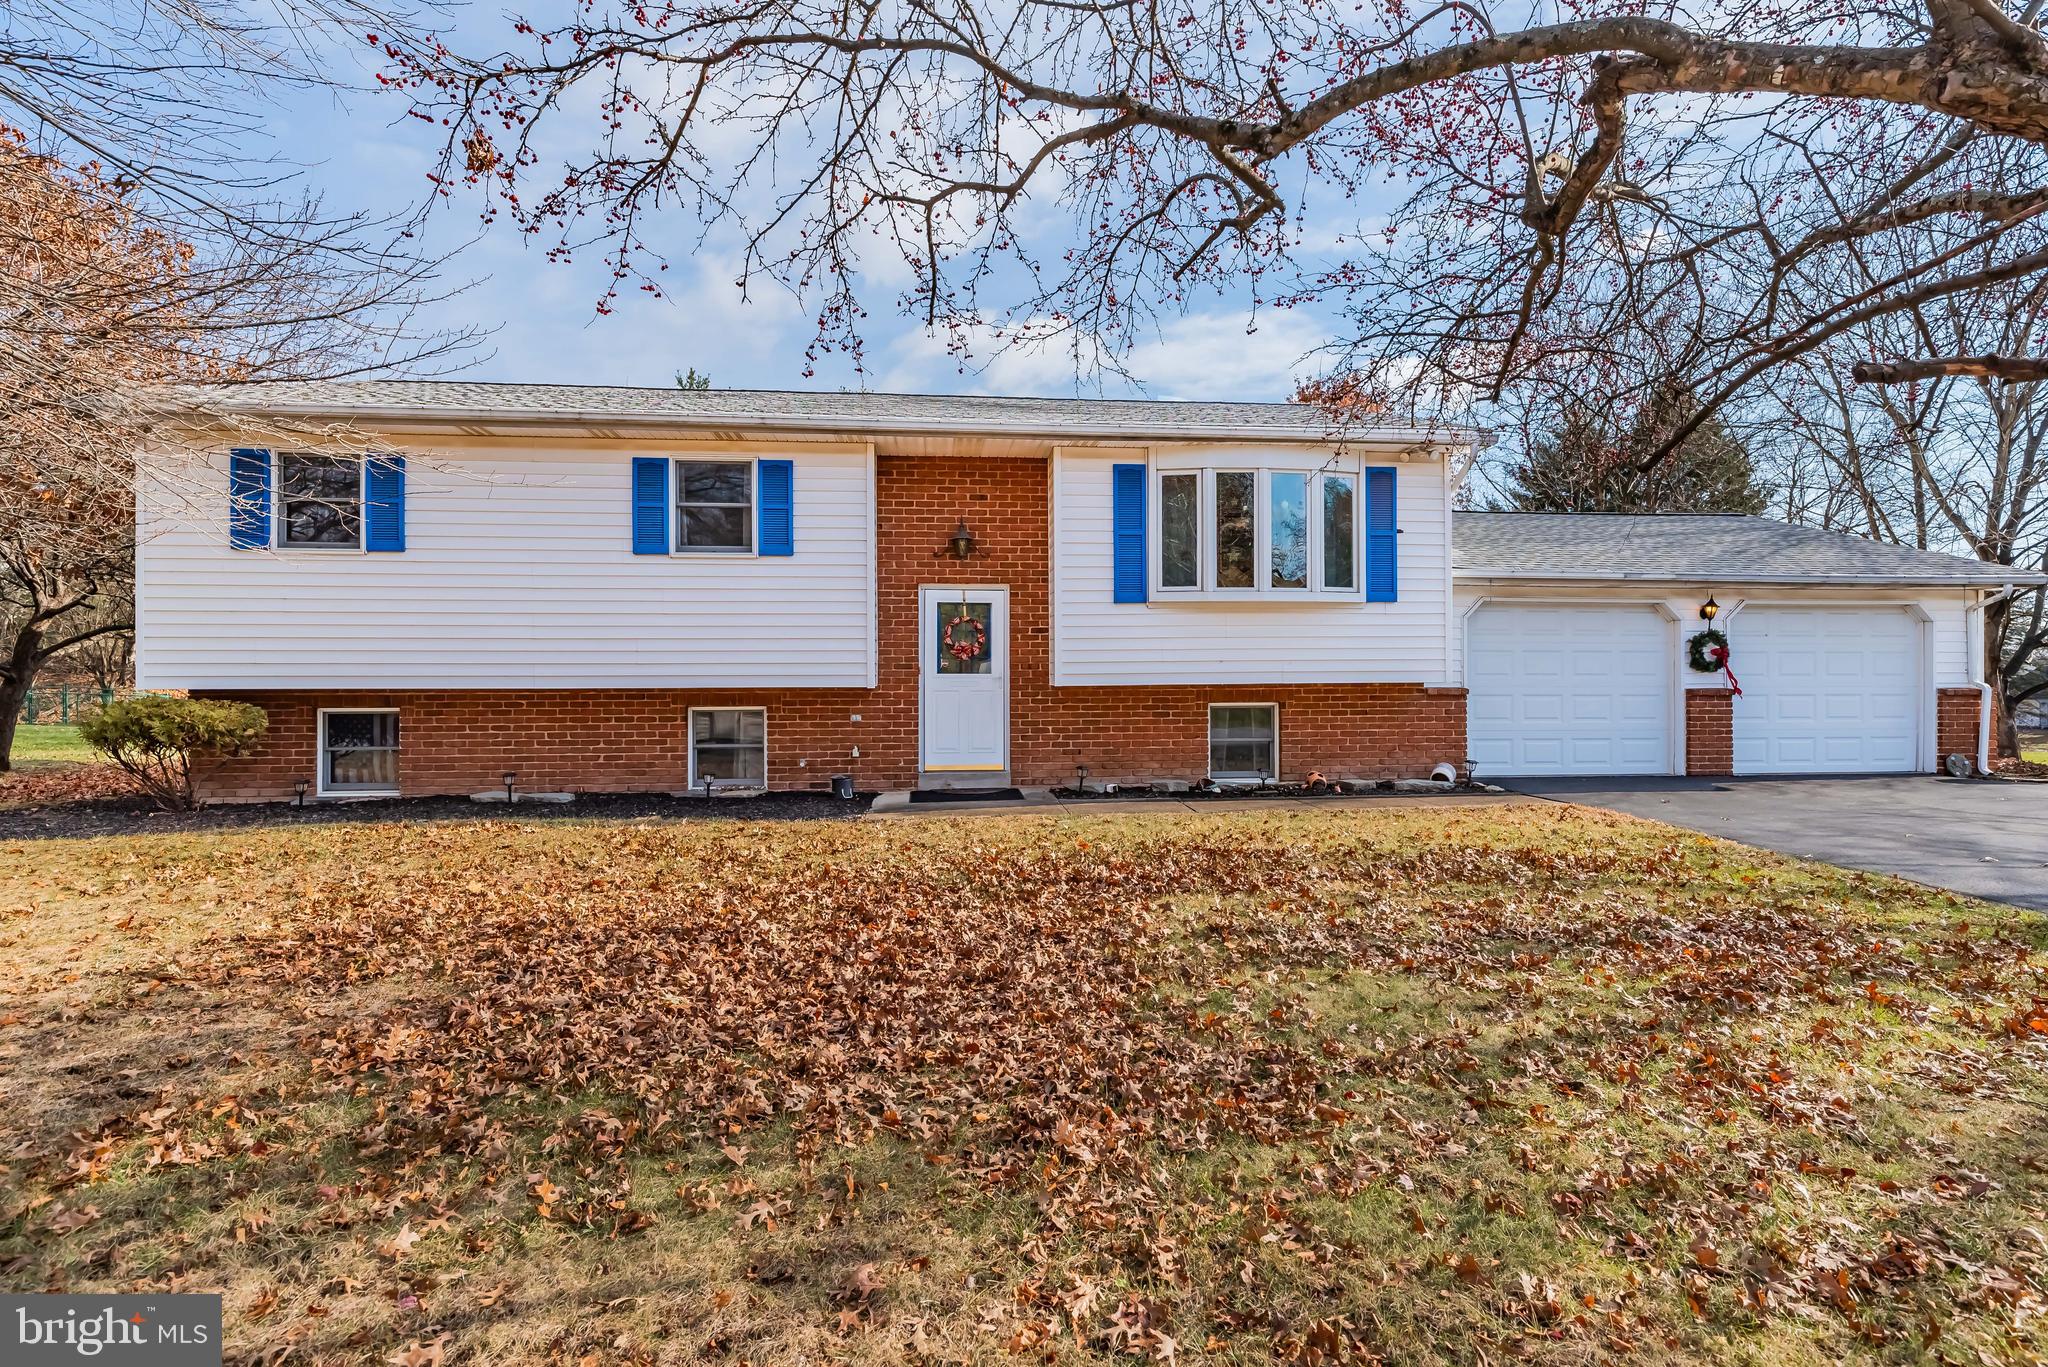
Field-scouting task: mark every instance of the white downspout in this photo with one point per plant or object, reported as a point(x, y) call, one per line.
point(1975, 637)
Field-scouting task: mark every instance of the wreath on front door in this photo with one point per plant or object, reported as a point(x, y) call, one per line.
point(967, 645)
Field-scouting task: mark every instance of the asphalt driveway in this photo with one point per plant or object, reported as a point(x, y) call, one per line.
point(1986, 839)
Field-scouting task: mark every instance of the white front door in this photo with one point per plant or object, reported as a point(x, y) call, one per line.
point(1561, 689)
point(964, 693)
point(1826, 690)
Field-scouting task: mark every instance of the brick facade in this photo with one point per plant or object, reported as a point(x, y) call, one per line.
point(1956, 711)
point(1710, 732)
point(613, 740)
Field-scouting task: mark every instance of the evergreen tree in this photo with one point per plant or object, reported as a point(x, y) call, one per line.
point(1591, 463)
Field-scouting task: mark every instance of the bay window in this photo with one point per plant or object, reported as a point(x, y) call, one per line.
point(1237, 515)
point(1287, 529)
point(1180, 531)
point(1274, 531)
point(1340, 532)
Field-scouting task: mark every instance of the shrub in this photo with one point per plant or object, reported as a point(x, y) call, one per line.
point(156, 738)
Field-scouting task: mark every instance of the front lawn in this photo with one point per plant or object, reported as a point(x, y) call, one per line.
point(1474, 1085)
point(46, 744)
point(52, 764)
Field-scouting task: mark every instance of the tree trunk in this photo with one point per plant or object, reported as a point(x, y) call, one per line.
point(12, 695)
point(2005, 732)
point(24, 658)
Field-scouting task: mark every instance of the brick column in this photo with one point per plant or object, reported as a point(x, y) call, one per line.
point(1955, 724)
point(1710, 732)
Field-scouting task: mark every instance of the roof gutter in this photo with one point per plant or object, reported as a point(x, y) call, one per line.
point(845, 423)
point(1902, 581)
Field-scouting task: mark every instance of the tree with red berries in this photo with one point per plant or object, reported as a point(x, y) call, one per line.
point(1059, 170)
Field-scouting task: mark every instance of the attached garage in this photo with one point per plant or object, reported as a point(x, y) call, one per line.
point(1854, 657)
point(1827, 690)
point(1568, 689)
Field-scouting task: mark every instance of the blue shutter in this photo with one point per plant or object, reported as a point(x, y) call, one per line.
point(650, 505)
point(1127, 532)
point(777, 480)
point(248, 499)
point(1382, 555)
point(384, 503)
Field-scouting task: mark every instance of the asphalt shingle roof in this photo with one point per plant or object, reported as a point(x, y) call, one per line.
point(769, 408)
point(1715, 547)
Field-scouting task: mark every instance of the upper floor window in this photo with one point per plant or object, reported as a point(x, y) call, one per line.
point(321, 500)
point(1264, 531)
point(714, 505)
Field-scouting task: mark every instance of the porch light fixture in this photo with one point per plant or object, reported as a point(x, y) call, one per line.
point(1710, 609)
point(510, 779)
point(961, 544)
point(300, 788)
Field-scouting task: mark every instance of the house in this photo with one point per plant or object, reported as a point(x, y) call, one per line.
point(608, 589)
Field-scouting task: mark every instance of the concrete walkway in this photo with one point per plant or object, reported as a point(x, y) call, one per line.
point(1986, 839)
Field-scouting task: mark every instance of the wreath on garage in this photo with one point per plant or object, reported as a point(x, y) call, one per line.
point(1707, 653)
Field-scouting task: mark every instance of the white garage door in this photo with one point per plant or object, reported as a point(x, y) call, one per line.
point(1569, 690)
point(1826, 690)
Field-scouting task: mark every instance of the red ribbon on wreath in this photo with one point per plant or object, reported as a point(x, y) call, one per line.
point(961, 649)
point(1719, 655)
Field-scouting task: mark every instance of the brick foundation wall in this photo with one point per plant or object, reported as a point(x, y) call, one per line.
point(610, 740)
point(1955, 724)
point(623, 740)
point(1710, 732)
point(627, 740)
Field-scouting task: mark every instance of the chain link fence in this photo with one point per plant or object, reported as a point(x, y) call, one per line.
point(62, 703)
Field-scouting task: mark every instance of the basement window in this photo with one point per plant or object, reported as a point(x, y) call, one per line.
point(358, 753)
point(729, 747)
point(1244, 742)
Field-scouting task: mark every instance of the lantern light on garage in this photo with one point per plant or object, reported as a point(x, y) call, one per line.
point(1710, 609)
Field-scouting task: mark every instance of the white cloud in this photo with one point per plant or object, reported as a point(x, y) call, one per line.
point(1218, 355)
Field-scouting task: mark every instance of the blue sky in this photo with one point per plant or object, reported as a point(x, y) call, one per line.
point(363, 154)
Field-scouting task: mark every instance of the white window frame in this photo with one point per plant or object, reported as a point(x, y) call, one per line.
point(1273, 708)
point(1205, 588)
point(675, 505)
point(1205, 520)
point(277, 518)
point(690, 750)
point(320, 788)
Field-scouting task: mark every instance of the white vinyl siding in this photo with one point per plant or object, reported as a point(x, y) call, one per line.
point(518, 573)
point(1266, 638)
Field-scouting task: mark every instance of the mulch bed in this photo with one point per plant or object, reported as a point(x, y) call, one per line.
point(1263, 790)
point(132, 815)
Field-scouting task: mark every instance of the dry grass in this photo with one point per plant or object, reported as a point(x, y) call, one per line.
point(1523, 1082)
point(53, 765)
